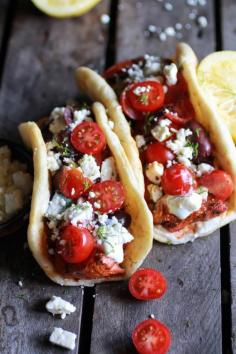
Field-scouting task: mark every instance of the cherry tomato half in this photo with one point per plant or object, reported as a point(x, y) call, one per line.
point(146, 96)
point(219, 183)
point(75, 244)
point(151, 337)
point(127, 107)
point(107, 196)
point(178, 180)
point(147, 284)
point(176, 119)
point(71, 182)
point(158, 152)
point(88, 138)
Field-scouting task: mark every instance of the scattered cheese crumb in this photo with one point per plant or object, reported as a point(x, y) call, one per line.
point(63, 338)
point(105, 19)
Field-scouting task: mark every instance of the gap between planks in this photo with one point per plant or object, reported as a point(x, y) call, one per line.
point(90, 292)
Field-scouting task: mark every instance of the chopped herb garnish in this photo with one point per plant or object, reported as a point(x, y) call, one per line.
point(197, 131)
point(143, 98)
point(86, 184)
point(194, 146)
point(64, 150)
point(148, 124)
point(201, 190)
point(101, 233)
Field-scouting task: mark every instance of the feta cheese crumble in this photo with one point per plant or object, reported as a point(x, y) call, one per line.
point(170, 72)
point(112, 238)
point(140, 141)
point(108, 169)
point(89, 167)
point(202, 21)
point(80, 116)
point(181, 147)
point(155, 192)
point(57, 306)
point(161, 131)
point(203, 168)
point(82, 213)
point(56, 206)
point(63, 338)
point(154, 171)
point(184, 205)
point(57, 120)
point(53, 161)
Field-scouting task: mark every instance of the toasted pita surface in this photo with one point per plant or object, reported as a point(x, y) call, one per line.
point(96, 87)
point(141, 218)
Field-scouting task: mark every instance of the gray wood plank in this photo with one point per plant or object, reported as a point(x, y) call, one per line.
point(229, 43)
point(43, 54)
point(39, 75)
point(192, 306)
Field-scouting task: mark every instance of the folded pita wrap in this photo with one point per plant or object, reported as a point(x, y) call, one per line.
point(141, 218)
point(206, 114)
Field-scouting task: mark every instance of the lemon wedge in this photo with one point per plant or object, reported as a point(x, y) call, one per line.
point(65, 8)
point(217, 76)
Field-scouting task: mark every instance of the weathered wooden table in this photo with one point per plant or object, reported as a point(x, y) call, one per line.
point(38, 56)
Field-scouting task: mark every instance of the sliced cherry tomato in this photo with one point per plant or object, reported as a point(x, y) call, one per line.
point(158, 152)
point(75, 244)
point(151, 337)
point(178, 180)
point(146, 96)
point(107, 196)
point(127, 108)
point(219, 183)
point(88, 138)
point(147, 284)
point(117, 68)
point(178, 97)
point(71, 182)
point(173, 116)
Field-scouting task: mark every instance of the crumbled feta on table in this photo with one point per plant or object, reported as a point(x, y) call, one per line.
point(57, 306)
point(63, 338)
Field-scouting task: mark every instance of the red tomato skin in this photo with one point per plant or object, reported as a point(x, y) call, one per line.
point(151, 276)
point(109, 194)
point(155, 97)
point(151, 344)
point(71, 182)
point(219, 183)
point(75, 244)
point(178, 180)
point(127, 107)
point(117, 68)
point(88, 138)
point(158, 152)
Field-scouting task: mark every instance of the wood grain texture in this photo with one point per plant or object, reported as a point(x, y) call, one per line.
point(39, 75)
point(192, 306)
point(229, 43)
point(136, 16)
point(25, 325)
point(42, 56)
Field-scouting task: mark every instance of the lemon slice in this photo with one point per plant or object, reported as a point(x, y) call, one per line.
point(65, 8)
point(217, 75)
